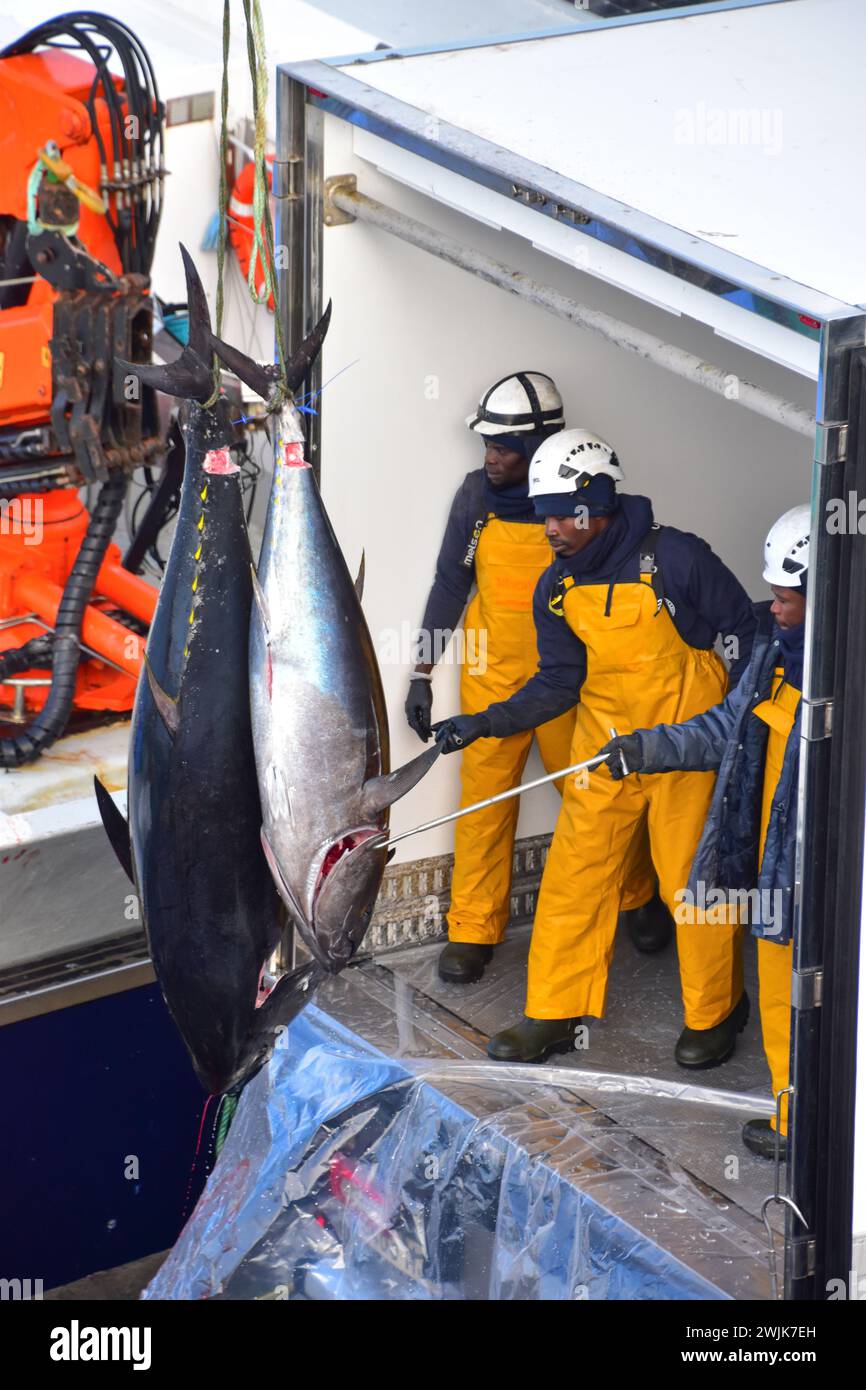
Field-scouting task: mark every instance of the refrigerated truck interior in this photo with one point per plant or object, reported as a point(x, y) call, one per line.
point(592, 167)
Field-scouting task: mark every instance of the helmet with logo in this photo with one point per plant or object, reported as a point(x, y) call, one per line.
point(567, 460)
point(574, 470)
point(786, 549)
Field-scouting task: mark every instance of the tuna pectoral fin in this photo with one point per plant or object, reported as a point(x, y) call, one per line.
point(287, 998)
point(261, 602)
point(382, 792)
point(359, 582)
point(116, 827)
point(167, 707)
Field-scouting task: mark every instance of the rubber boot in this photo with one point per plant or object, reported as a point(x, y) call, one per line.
point(698, 1048)
point(532, 1040)
point(650, 927)
point(463, 962)
point(760, 1139)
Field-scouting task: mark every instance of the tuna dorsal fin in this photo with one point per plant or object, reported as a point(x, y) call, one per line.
point(382, 792)
point(359, 582)
point(261, 602)
point(167, 707)
point(116, 827)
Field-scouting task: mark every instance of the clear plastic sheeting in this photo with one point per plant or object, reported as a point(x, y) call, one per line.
point(350, 1175)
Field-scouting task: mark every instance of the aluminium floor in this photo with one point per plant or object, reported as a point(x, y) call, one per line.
point(636, 1040)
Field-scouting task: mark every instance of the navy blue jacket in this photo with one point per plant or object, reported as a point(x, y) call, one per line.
point(705, 599)
point(727, 737)
point(455, 565)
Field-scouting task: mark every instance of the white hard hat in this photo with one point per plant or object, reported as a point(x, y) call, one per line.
point(786, 549)
point(523, 403)
point(565, 461)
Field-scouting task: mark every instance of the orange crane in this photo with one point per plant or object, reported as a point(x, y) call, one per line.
point(81, 179)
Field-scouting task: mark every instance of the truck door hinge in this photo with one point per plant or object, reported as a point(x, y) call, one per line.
point(817, 719)
point(807, 989)
point(801, 1257)
point(287, 178)
point(831, 442)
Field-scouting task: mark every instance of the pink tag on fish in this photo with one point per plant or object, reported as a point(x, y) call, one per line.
point(293, 456)
point(219, 461)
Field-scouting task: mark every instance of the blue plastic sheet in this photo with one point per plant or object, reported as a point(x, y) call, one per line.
point(345, 1175)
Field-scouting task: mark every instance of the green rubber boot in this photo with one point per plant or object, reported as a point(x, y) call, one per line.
point(533, 1040)
point(699, 1048)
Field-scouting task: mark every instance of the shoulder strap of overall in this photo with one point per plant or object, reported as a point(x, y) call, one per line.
point(563, 583)
point(649, 564)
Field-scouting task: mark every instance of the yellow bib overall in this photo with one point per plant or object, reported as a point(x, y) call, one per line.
point(500, 656)
point(775, 962)
point(640, 672)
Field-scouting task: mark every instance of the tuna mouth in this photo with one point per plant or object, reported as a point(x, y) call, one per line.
point(337, 850)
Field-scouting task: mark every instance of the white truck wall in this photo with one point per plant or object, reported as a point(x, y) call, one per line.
point(420, 340)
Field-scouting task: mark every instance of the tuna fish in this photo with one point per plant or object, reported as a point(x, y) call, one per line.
point(192, 846)
point(320, 728)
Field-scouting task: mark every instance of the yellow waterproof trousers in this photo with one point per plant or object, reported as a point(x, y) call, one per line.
point(775, 962)
point(501, 654)
point(639, 673)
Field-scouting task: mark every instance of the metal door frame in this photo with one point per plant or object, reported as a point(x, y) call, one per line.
point(819, 1122)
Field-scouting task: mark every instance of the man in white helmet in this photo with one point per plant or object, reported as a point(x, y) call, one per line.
point(749, 840)
point(626, 618)
point(495, 539)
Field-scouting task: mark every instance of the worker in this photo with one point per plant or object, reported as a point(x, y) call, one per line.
point(493, 537)
point(749, 839)
point(626, 621)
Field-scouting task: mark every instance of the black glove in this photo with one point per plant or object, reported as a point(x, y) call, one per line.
point(455, 733)
point(625, 755)
point(419, 703)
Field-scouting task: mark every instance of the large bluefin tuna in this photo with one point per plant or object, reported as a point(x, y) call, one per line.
point(192, 846)
point(320, 728)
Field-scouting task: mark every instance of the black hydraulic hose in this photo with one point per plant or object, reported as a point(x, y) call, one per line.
point(51, 721)
point(37, 654)
point(137, 157)
point(34, 482)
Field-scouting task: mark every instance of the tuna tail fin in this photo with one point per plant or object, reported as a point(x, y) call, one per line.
point(382, 792)
point(303, 358)
point(187, 377)
point(190, 376)
point(263, 377)
point(260, 377)
point(116, 827)
point(199, 313)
